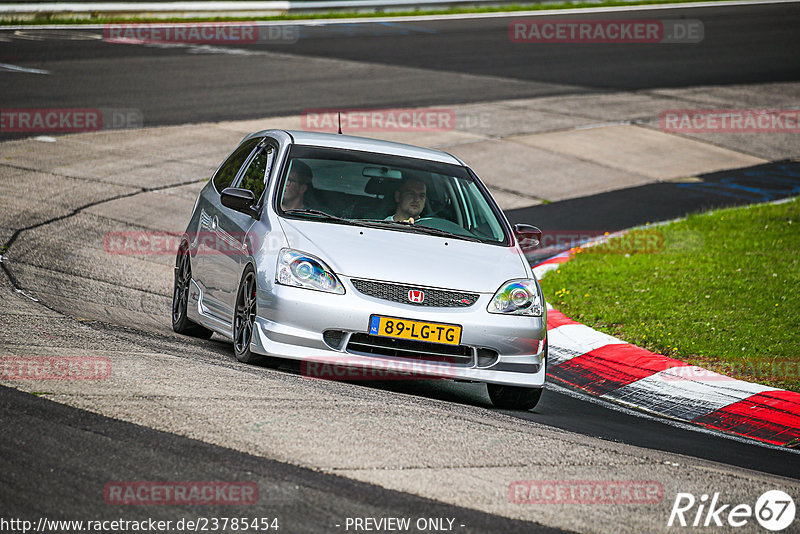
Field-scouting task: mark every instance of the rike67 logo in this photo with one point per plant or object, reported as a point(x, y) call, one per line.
point(774, 510)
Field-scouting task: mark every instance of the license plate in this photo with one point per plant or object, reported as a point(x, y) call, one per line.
point(448, 334)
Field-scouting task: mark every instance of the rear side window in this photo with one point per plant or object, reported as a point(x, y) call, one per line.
point(228, 170)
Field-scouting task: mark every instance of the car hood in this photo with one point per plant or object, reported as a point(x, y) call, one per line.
point(405, 257)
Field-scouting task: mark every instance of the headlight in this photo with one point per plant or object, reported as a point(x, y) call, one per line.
point(517, 297)
point(298, 269)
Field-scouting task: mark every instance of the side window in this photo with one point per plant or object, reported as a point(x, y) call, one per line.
point(257, 173)
point(483, 219)
point(227, 171)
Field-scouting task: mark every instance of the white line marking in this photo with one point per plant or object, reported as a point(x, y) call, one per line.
point(14, 68)
point(21, 292)
point(55, 35)
point(198, 48)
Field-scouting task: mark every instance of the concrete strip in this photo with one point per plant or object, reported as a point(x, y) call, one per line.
point(758, 95)
point(96, 246)
point(541, 174)
point(639, 150)
point(141, 293)
point(146, 211)
point(34, 197)
point(622, 107)
point(510, 117)
point(777, 96)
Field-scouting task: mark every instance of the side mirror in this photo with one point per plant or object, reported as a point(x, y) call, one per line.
point(529, 237)
point(241, 200)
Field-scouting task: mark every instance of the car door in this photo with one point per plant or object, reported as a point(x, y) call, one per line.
point(204, 267)
point(232, 229)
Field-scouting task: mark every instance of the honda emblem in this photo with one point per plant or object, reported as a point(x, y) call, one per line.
point(414, 295)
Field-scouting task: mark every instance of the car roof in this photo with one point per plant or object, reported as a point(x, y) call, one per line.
point(365, 144)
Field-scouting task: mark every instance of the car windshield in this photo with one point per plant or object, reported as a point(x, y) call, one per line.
point(393, 192)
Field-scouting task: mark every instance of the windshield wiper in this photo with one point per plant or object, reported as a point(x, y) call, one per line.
point(427, 229)
point(309, 211)
point(323, 215)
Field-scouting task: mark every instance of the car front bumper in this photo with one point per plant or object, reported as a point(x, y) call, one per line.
point(291, 323)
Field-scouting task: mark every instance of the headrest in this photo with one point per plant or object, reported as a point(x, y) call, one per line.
point(380, 186)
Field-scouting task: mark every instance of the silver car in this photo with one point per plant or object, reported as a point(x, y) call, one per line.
point(358, 254)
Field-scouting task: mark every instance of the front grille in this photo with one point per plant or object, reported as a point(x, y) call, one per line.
point(407, 348)
point(437, 298)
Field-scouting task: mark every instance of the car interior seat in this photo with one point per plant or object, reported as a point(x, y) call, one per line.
point(378, 199)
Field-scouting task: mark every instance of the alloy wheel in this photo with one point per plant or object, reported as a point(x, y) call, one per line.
point(245, 313)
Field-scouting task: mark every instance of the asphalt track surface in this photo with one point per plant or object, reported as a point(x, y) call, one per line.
point(50, 446)
point(742, 45)
point(388, 64)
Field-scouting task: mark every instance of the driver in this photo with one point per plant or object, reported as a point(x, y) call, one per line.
point(297, 183)
point(410, 198)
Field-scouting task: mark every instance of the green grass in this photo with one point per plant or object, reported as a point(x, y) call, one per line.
point(719, 291)
point(46, 19)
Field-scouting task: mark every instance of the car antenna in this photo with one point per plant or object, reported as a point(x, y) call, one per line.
point(340, 122)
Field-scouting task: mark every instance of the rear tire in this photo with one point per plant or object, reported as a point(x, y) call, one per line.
point(180, 297)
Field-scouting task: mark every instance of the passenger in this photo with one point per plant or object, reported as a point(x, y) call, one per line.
point(410, 198)
point(297, 183)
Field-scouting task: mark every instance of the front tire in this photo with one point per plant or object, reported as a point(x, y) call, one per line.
point(515, 397)
point(244, 318)
point(180, 297)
